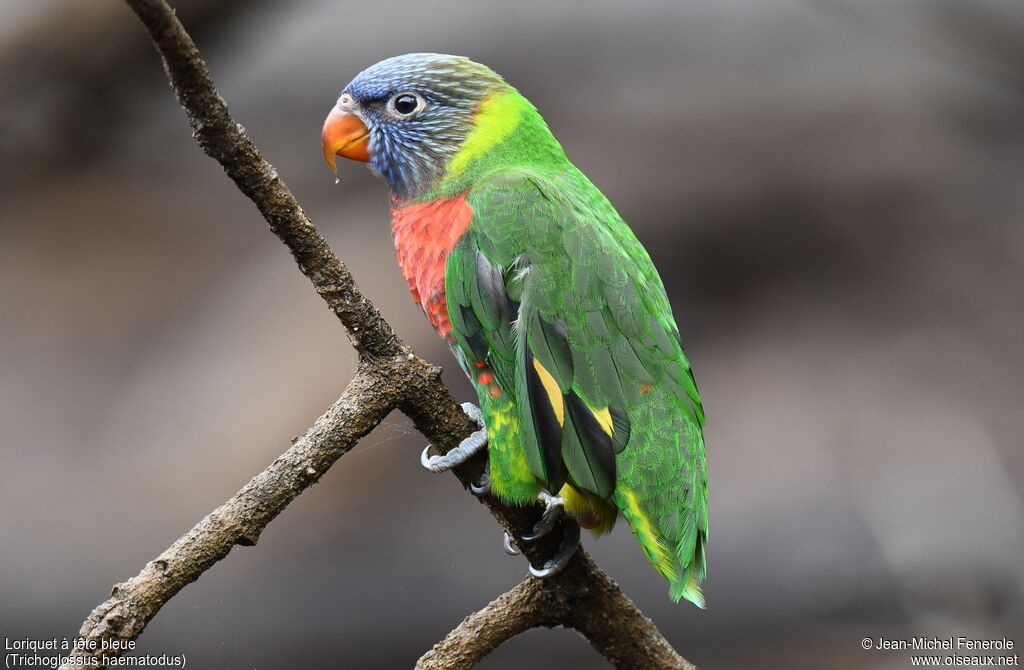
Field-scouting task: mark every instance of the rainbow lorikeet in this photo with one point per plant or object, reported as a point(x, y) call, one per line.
point(547, 300)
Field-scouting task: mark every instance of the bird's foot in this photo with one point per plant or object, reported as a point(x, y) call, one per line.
point(566, 549)
point(466, 449)
point(553, 508)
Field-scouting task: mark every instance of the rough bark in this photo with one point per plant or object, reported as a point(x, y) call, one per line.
point(389, 376)
point(581, 597)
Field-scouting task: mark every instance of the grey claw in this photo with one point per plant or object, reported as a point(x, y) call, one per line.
point(532, 537)
point(546, 571)
point(566, 550)
point(425, 458)
point(509, 549)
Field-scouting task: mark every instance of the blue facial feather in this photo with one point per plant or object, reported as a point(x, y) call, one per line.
point(410, 153)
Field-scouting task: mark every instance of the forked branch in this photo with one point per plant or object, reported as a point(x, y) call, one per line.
point(389, 376)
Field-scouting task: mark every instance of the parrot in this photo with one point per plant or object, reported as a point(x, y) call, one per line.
point(549, 303)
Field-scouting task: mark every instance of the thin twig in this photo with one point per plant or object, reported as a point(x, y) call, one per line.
point(389, 376)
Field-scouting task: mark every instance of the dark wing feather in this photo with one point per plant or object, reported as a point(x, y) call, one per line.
point(544, 433)
point(588, 451)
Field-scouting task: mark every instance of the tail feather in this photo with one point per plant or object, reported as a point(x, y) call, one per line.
point(688, 586)
point(662, 495)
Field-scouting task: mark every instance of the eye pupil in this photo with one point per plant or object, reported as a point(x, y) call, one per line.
point(405, 104)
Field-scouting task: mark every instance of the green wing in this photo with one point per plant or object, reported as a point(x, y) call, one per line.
point(551, 288)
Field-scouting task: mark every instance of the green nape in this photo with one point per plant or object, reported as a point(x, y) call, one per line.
point(508, 131)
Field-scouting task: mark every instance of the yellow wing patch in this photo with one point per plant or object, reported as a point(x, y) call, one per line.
point(604, 417)
point(554, 393)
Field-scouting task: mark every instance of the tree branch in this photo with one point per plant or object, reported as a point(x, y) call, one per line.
point(389, 376)
point(229, 144)
point(366, 401)
point(581, 597)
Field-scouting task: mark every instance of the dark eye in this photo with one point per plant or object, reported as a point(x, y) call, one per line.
point(405, 104)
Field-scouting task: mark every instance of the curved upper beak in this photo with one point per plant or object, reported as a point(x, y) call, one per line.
point(345, 135)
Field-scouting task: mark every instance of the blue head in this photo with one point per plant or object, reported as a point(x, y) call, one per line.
point(407, 117)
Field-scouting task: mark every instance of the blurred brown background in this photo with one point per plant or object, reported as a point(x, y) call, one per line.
point(833, 191)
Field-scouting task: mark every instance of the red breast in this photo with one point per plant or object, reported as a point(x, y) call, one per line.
point(425, 233)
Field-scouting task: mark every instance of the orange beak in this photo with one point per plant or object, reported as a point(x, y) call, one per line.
point(345, 135)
